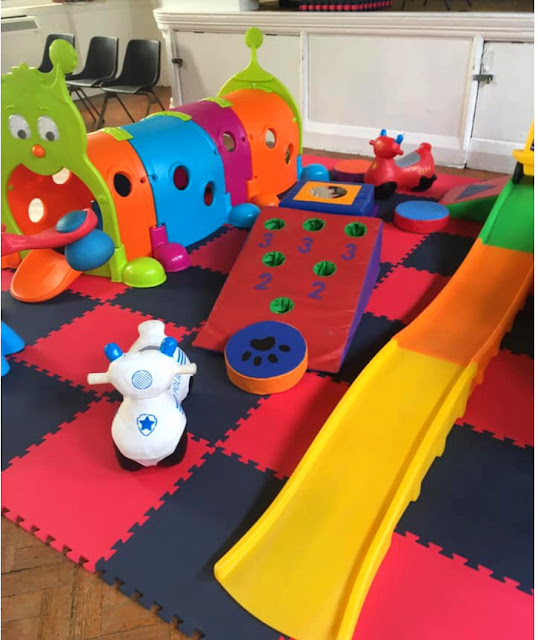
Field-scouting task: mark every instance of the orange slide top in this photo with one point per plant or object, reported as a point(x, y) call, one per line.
point(468, 318)
point(43, 274)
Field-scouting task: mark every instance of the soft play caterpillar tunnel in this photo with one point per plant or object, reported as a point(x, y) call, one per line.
point(167, 181)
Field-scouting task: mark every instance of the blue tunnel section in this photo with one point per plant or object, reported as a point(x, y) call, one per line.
point(186, 174)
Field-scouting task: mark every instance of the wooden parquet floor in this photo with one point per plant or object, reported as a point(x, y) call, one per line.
point(47, 597)
point(116, 116)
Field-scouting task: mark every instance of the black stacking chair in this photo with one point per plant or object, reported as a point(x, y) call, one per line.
point(101, 65)
point(139, 75)
point(46, 64)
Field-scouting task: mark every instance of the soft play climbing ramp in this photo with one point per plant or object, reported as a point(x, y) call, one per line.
point(306, 566)
point(311, 270)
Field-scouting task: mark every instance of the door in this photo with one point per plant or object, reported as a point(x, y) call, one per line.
point(505, 106)
point(360, 84)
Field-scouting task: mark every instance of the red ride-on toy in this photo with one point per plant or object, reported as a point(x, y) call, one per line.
point(415, 171)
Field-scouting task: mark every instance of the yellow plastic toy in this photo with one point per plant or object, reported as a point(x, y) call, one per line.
point(306, 566)
point(525, 157)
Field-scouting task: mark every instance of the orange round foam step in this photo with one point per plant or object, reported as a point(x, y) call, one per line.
point(266, 357)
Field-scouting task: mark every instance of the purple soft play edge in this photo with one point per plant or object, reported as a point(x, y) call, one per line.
point(369, 283)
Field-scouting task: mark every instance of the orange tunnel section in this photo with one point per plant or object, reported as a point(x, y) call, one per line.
point(126, 178)
point(273, 135)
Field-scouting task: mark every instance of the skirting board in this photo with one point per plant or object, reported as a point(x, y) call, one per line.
point(448, 151)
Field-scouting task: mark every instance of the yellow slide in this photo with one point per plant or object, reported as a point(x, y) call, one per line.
point(313, 554)
point(306, 566)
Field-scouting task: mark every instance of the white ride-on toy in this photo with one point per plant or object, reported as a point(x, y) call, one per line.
point(154, 378)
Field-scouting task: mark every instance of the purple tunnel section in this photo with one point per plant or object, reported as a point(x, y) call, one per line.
point(222, 124)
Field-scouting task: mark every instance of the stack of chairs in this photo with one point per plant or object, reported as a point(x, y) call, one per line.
point(139, 75)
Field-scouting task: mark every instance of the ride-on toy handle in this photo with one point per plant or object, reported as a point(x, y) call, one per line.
point(186, 369)
point(98, 378)
point(103, 378)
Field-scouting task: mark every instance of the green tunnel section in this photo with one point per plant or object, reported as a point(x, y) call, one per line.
point(510, 224)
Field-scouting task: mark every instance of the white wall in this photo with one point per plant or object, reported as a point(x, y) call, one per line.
point(123, 18)
point(410, 73)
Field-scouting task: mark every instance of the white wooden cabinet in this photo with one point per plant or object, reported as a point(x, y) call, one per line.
point(209, 59)
point(352, 75)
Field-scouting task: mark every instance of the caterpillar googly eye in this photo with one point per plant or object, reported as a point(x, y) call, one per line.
point(48, 129)
point(19, 127)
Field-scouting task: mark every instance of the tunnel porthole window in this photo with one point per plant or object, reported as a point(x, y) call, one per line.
point(289, 151)
point(209, 193)
point(270, 138)
point(181, 178)
point(122, 184)
point(36, 210)
point(228, 141)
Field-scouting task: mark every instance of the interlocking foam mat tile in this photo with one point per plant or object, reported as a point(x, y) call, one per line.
point(460, 562)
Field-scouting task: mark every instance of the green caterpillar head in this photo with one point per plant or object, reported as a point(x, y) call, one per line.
point(41, 127)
